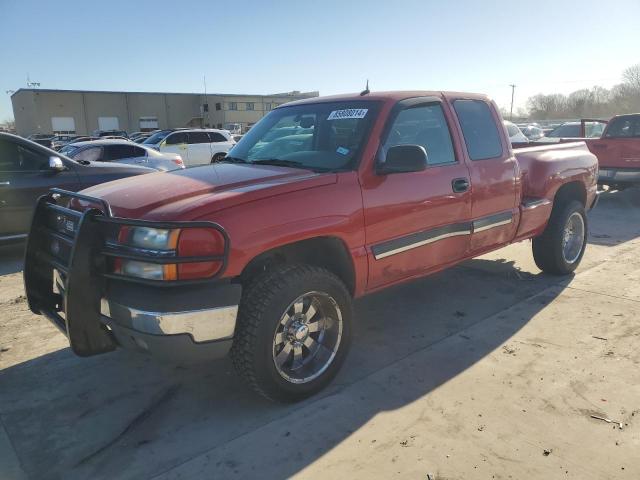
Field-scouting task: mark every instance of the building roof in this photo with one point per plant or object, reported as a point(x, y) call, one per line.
point(279, 95)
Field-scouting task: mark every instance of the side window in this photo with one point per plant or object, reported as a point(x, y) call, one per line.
point(423, 125)
point(216, 137)
point(90, 154)
point(624, 127)
point(479, 129)
point(197, 137)
point(177, 138)
point(138, 152)
point(117, 152)
point(16, 158)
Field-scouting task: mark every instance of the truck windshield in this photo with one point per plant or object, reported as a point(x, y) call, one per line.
point(316, 136)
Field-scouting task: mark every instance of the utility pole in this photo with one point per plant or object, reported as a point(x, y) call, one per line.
point(206, 102)
point(513, 89)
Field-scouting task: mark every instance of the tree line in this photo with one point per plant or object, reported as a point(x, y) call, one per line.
point(596, 102)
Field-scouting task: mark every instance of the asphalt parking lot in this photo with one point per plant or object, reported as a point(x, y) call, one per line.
point(488, 370)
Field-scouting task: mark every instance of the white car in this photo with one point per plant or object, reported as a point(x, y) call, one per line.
point(195, 146)
point(515, 135)
point(122, 151)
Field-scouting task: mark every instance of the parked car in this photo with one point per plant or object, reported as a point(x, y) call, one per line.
point(195, 146)
point(515, 135)
point(59, 141)
point(532, 132)
point(262, 256)
point(28, 170)
point(124, 151)
point(43, 139)
point(110, 133)
point(575, 130)
point(80, 139)
point(618, 152)
point(141, 138)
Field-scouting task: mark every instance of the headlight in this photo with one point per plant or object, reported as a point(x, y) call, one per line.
point(152, 238)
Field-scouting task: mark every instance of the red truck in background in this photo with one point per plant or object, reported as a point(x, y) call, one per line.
point(322, 201)
point(618, 152)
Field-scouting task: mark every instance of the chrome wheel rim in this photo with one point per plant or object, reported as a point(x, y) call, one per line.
point(573, 238)
point(307, 337)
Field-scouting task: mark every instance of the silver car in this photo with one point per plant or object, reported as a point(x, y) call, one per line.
point(122, 151)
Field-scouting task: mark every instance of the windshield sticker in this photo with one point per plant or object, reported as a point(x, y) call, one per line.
point(348, 113)
point(343, 151)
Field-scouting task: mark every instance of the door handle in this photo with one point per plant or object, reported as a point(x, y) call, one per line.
point(600, 145)
point(460, 185)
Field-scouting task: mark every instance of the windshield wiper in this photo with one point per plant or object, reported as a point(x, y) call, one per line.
point(281, 163)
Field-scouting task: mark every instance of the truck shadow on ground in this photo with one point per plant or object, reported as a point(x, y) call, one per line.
point(11, 258)
point(122, 415)
point(616, 219)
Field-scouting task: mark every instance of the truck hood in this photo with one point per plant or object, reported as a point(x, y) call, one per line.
point(196, 192)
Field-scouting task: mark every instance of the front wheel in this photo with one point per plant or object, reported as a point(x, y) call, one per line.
point(293, 332)
point(218, 157)
point(561, 246)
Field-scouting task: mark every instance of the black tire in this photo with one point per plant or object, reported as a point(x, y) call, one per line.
point(548, 248)
point(218, 157)
point(264, 305)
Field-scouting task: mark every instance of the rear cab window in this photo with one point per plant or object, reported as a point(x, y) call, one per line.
point(624, 127)
point(479, 129)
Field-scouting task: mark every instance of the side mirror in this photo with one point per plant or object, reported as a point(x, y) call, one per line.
point(56, 165)
point(403, 159)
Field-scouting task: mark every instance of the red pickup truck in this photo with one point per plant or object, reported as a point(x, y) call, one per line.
point(322, 201)
point(618, 152)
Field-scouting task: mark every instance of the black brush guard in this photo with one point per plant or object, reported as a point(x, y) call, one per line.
point(78, 244)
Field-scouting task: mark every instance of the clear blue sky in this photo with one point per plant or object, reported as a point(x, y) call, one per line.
point(249, 46)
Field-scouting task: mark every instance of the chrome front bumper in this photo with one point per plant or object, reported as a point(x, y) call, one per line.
point(204, 325)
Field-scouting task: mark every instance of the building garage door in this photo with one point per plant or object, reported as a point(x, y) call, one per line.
point(63, 125)
point(108, 123)
point(148, 123)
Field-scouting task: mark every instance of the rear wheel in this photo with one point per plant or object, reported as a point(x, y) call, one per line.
point(561, 246)
point(218, 157)
point(293, 332)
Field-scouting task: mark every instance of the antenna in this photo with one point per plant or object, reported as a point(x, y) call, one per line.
point(366, 90)
point(31, 84)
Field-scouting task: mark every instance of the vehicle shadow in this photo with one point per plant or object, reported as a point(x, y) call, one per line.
point(122, 415)
point(616, 219)
point(11, 258)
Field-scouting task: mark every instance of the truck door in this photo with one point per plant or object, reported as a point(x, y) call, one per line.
point(417, 221)
point(494, 208)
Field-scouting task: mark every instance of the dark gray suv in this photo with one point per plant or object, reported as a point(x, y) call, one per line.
point(29, 170)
